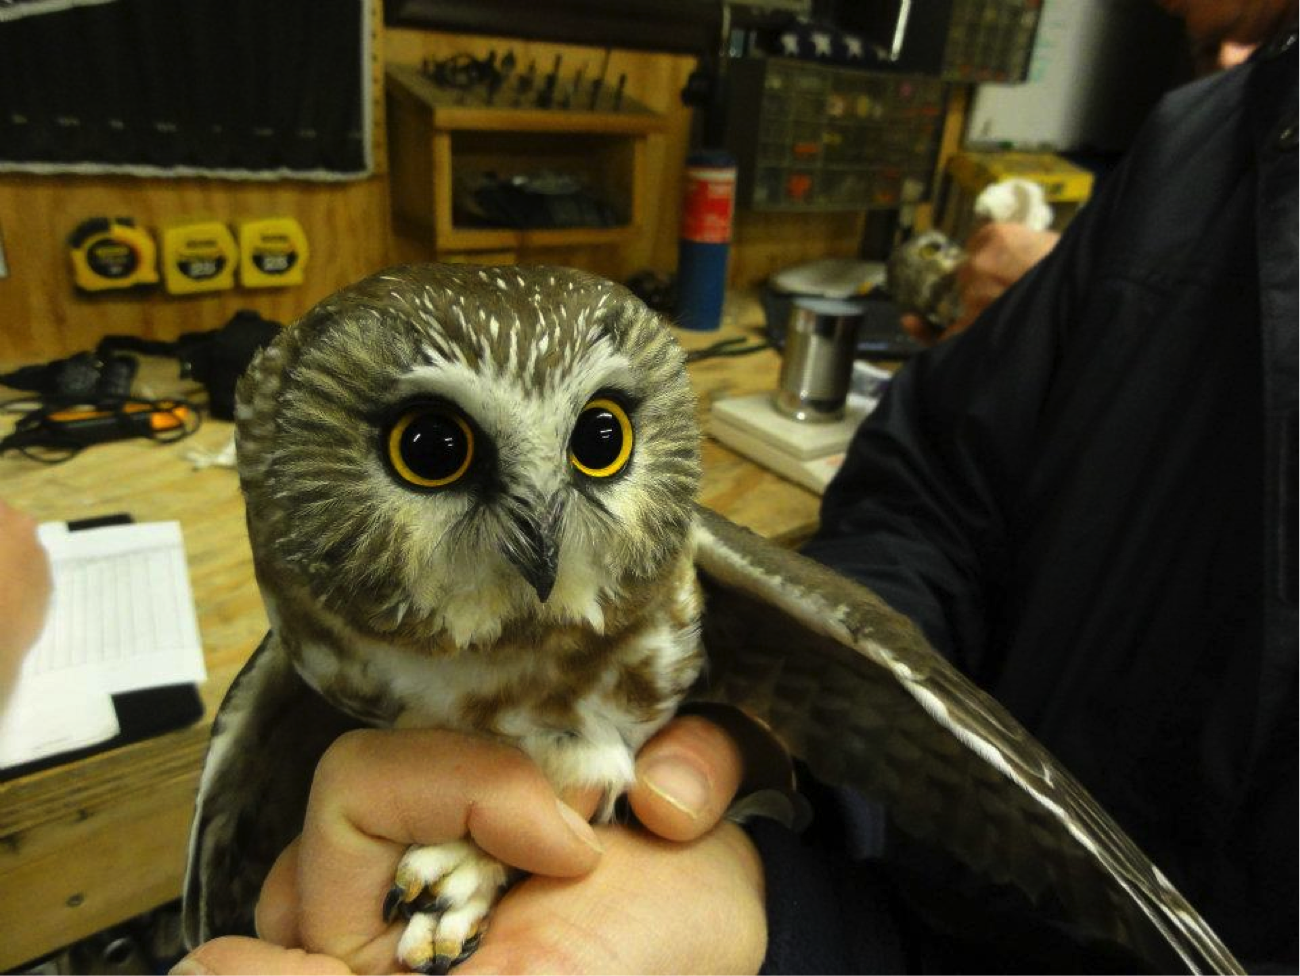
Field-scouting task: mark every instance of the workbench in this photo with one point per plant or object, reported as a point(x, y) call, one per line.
point(88, 844)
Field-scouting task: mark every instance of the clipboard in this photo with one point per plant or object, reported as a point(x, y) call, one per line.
point(141, 713)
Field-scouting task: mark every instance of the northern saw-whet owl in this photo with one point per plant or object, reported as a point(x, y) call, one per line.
point(471, 502)
point(922, 277)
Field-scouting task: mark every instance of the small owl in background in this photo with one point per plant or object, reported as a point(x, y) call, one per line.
point(471, 502)
point(921, 276)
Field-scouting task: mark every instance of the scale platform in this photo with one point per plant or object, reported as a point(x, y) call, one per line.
point(808, 454)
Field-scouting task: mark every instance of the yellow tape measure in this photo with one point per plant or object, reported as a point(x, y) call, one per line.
point(111, 253)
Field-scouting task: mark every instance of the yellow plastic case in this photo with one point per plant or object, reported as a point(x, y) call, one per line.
point(272, 252)
point(198, 255)
point(112, 253)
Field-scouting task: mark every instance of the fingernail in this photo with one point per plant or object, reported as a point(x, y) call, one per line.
point(189, 966)
point(581, 829)
point(679, 783)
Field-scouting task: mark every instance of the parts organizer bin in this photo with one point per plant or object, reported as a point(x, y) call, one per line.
point(829, 139)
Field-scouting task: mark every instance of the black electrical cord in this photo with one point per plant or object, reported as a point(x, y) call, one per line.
point(52, 432)
point(727, 347)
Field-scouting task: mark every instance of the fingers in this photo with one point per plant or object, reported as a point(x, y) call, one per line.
point(650, 906)
point(690, 772)
point(686, 777)
point(919, 329)
point(24, 589)
point(276, 915)
point(234, 955)
point(376, 792)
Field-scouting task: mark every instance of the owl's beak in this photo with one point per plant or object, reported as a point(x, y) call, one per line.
point(538, 556)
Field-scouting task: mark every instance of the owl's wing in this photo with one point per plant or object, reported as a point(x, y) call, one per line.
point(852, 688)
point(269, 734)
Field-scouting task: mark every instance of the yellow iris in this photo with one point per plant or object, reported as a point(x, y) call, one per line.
point(431, 447)
point(601, 443)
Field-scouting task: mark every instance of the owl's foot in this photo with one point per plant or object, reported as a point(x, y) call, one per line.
point(445, 892)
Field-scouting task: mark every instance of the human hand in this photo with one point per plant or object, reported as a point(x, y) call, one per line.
point(318, 914)
point(997, 256)
point(650, 906)
point(25, 587)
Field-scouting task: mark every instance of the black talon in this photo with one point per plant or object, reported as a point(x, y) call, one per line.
point(441, 965)
point(468, 948)
point(426, 902)
point(394, 902)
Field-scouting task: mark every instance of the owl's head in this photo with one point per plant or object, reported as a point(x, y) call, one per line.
point(439, 453)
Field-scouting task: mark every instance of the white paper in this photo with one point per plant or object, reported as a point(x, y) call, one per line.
point(122, 603)
point(54, 712)
point(121, 619)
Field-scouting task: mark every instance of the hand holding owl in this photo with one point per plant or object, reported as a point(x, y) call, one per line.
point(686, 779)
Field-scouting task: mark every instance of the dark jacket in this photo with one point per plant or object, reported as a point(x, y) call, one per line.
point(1088, 502)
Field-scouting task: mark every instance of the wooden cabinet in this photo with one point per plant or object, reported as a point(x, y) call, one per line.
point(438, 138)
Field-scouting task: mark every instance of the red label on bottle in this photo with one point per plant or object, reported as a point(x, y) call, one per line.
point(710, 199)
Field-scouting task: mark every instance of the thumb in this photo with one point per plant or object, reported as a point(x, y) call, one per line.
point(918, 328)
point(688, 775)
point(234, 954)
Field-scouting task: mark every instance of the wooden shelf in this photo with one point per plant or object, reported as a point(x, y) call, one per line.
point(436, 134)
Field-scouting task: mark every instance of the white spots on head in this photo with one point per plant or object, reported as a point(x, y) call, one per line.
point(494, 327)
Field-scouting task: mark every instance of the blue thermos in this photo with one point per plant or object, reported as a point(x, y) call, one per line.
point(705, 244)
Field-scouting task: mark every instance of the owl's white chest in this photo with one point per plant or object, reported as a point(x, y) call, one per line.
point(581, 717)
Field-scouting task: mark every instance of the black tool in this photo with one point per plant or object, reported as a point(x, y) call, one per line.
point(57, 434)
point(546, 97)
point(83, 376)
point(599, 82)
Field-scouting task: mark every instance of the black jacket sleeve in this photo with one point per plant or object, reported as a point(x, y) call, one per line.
point(918, 511)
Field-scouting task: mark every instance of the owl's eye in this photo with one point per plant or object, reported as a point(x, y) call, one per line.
point(430, 446)
point(601, 442)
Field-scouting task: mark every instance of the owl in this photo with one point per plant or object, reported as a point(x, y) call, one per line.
point(921, 277)
point(471, 503)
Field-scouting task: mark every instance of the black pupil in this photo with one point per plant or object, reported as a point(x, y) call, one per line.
point(434, 446)
point(597, 439)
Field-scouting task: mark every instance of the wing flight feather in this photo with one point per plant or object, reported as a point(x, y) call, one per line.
point(854, 690)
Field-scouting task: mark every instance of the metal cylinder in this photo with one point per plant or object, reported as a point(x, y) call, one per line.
point(817, 363)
